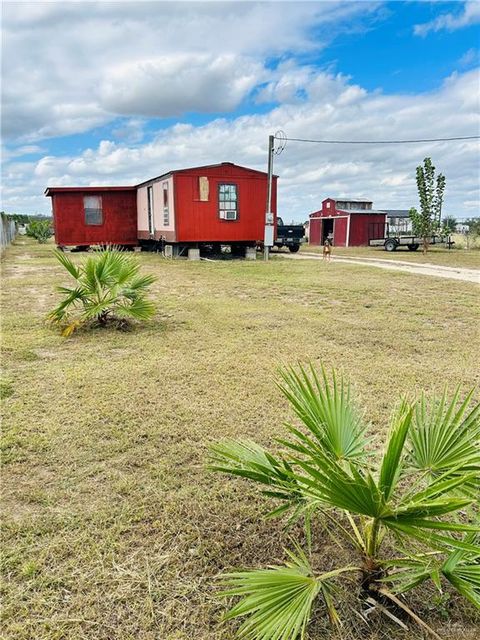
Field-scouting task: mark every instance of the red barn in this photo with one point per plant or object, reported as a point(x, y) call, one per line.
point(84, 216)
point(218, 203)
point(348, 223)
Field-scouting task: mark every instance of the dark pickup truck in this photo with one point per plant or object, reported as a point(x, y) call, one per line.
point(289, 235)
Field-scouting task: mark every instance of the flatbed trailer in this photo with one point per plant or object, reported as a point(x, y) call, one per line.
point(391, 243)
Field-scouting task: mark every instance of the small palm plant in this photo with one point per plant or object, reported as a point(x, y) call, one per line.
point(419, 499)
point(109, 289)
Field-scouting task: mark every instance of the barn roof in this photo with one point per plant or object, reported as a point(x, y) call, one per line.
point(397, 213)
point(362, 211)
point(345, 199)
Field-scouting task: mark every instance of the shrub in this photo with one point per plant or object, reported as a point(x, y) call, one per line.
point(41, 230)
point(415, 499)
point(108, 290)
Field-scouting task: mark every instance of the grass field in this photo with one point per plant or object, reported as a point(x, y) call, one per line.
point(113, 528)
point(441, 255)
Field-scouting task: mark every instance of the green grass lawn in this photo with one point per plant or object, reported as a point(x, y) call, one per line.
point(439, 255)
point(113, 528)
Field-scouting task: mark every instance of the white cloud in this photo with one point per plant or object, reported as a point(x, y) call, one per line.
point(171, 85)
point(469, 58)
point(70, 67)
point(333, 107)
point(450, 22)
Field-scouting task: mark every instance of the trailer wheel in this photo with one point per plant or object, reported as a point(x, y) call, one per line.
point(390, 245)
point(293, 248)
point(412, 247)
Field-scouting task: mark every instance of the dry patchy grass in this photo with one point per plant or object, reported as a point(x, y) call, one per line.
point(113, 528)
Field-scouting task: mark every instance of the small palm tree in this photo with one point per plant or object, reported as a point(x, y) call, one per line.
point(108, 289)
point(420, 495)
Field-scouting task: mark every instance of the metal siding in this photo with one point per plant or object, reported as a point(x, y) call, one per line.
point(315, 231)
point(340, 231)
point(119, 218)
point(359, 226)
point(198, 221)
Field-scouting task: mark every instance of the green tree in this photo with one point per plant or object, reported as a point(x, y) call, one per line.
point(401, 510)
point(427, 221)
point(19, 218)
point(108, 289)
point(449, 225)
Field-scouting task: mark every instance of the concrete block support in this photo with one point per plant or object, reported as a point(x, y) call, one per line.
point(250, 253)
point(194, 254)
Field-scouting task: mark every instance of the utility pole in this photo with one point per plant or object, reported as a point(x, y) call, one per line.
point(268, 236)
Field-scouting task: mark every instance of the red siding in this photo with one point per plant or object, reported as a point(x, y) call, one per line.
point(119, 218)
point(315, 231)
point(197, 221)
point(360, 227)
point(340, 232)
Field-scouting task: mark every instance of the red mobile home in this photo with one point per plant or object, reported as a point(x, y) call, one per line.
point(215, 204)
point(348, 223)
point(83, 216)
point(220, 203)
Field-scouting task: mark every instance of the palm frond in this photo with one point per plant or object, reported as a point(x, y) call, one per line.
point(67, 263)
point(462, 570)
point(278, 600)
point(62, 309)
point(94, 308)
point(327, 410)
point(138, 309)
point(141, 282)
point(429, 538)
point(445, 435)
point(246, 459)
point(411, 575)
point(392, 460)
point(325, 480)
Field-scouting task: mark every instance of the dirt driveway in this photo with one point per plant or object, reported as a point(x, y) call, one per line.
point(426, 269)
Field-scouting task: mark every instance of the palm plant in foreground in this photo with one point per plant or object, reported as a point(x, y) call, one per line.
point(421, 494)
point(108, 289)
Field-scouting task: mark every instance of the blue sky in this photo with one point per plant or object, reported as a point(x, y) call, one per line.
point(113, 93)
point(390, 57)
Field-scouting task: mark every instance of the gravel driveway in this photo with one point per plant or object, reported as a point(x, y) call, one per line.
point(426, 269)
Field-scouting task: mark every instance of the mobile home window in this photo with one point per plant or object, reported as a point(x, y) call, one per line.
point(166, 212)
point(227, 201)
point(92, 206)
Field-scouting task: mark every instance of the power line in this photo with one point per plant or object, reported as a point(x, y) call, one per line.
point(379, 141)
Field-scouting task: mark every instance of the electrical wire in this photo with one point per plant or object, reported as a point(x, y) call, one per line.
point(379, 141)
